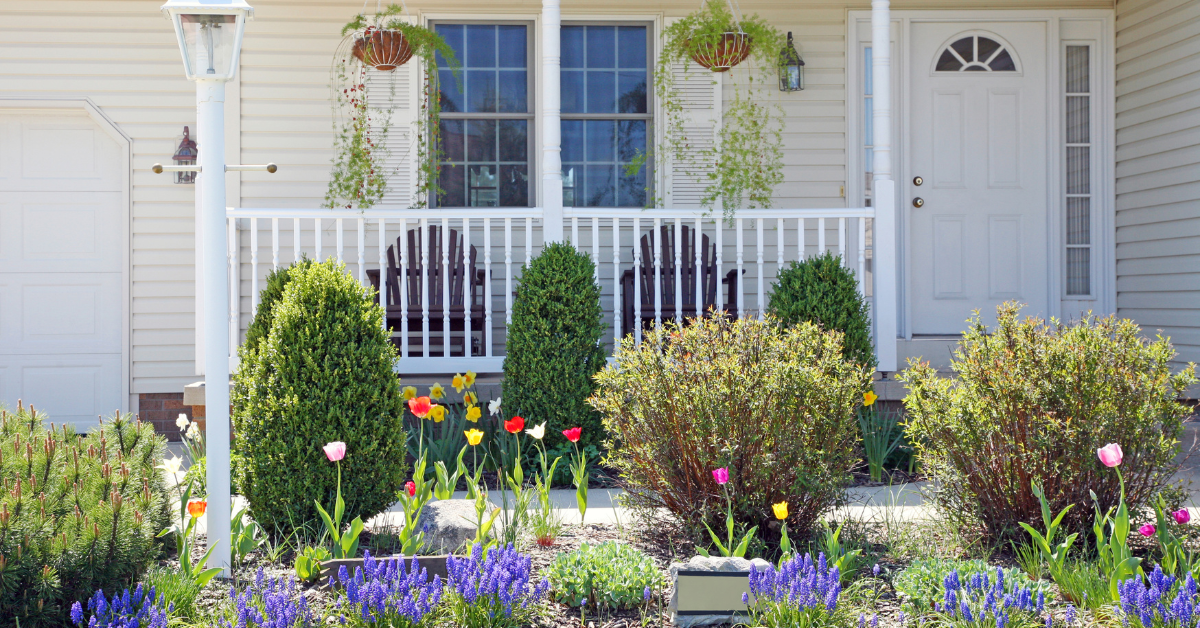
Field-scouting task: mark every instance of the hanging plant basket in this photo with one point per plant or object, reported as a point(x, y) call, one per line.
point(383, 49)
point(728, 51)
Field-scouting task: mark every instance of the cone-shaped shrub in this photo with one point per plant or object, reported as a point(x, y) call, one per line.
point(822, 290)
point(323, 373)
point(77, 514)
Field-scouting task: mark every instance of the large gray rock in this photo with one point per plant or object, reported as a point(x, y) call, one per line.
point(448, 524)
point(705, 596)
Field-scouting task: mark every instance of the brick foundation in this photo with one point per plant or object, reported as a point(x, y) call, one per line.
point(161, 410)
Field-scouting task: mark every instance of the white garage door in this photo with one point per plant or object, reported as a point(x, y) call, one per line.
point(62, 224)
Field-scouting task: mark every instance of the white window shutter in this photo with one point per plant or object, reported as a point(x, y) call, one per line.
point(398, 92)
point(686, 178)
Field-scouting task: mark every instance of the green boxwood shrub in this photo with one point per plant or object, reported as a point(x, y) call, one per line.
point(605, 577)
point(260, 326)
point(553, 348)
point(1034, 401)
point(822, 290)
point(773, 404)
point(77, 514)
point(323, 373)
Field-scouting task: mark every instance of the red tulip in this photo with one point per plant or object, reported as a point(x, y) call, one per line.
point(410, 488)
point(514, 425)
point(573, 434)
point(419, 406)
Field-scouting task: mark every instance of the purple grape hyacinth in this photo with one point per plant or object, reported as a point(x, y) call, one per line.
point(492, 590)
point(385, 591)
point(1163, 601)
point(986, 599)
point(131, 609)
point(268, 603)
point(799, 588)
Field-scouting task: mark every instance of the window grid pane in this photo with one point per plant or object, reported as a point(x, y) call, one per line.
point(1078, 171)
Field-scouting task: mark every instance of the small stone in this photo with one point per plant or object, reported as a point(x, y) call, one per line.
point(735, 590)
point(448, 524)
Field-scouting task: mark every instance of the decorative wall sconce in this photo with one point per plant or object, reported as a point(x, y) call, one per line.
point(185, 155)
point(791, 68)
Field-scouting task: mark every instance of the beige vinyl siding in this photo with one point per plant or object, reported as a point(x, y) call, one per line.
point(1158, 168)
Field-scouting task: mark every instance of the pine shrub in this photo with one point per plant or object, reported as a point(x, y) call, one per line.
point(1033, 401)
point(772, 404)
point(824, 291)
point(77, 513)
point(323, 373)
point(553, 349)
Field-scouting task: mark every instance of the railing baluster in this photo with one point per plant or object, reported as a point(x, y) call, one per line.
point(741, 299)
point(637, 282)
point(657, 239)
point(425, 288)
point(862, 257)
point(528, 241)
point(720, 225)
point(842, 241)
point(575, 232)
point(383, 274)
point(596, 246)
point(295, 240)
point(762, 309)
point(445, 262)
point(487, 286)
point(618, 310)
point(402, 280)
point(678, 271)
point(699, 251)
point(317, 237)
point(339, 240)
point(274, 244)
point(253, 266)
point(820, 236)
point(362, 252)
point(467, 287)
point(507, 275)
point(232, 266)
point(779, 233)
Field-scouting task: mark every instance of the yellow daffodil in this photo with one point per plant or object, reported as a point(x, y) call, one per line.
point(437, 413)
point(436, 391)
point(869, 398)
point(458, 383)
point(470, 399)
point(469, 378)
point(473, 437)
point(473, 413)
point(537, 432)
point(781, 510)
point(410, 392)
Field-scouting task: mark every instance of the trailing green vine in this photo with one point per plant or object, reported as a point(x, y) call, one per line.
point(359, 177)
point(744, 162)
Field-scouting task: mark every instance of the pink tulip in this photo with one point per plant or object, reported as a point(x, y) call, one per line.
point(1147, 530)
point(721, 475)
point(335, 451)
point(1182, 516)
point(1110, 454)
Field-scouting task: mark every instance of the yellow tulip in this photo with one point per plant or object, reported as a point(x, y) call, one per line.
point(469, 378)
point(457, 383)
point(781, 510)
point(436, 391)
point(473, 437)
point(437, 413)
point(410, 392)
point(473, 413)
point(869, 398)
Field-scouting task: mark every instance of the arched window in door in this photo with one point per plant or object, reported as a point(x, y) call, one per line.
point(976, 53)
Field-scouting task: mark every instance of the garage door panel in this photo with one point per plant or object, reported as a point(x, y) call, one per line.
point(61, 232)
point(73, 389)
point(63, 152)
point(60, 314)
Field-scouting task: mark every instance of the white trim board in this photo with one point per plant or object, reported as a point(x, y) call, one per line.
point(1093, 26)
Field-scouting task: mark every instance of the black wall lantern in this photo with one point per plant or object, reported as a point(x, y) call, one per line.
point(791, 68)
point(185, 155)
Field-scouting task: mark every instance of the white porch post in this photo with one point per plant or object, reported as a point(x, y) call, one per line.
point(884, 197)
point(552, 193)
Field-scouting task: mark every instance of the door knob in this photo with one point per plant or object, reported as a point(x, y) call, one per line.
point(918, 181)
point(918, 202)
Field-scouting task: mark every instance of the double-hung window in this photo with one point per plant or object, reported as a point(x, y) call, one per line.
point(606, 114)
point(487, 116)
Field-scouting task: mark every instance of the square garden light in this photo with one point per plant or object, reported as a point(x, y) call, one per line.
point(210, 35)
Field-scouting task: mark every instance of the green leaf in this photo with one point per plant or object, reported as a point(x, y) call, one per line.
point(334, 533)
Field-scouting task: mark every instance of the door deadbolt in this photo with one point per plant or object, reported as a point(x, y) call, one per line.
point(918, 202)
point(918, 181)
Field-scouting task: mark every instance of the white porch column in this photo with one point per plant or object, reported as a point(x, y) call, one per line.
point(551, 129)
point(884, 197)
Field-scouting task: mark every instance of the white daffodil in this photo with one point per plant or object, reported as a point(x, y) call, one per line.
point(494, 406)
point(171, 465)
point(182, 421)
point(537, 432)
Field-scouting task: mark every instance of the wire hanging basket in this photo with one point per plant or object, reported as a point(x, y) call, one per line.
point(383, 49)
point(728, 51)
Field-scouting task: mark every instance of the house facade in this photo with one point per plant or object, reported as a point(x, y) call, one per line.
point(1044, 151)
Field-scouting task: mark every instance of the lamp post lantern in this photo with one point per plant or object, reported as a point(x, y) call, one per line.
point(210, 40)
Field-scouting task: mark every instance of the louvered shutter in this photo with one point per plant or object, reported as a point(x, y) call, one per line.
point(699, 92)
point(398, 92)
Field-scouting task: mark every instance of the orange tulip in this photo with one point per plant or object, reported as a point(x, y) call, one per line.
point(420, 406)
point(197, 508)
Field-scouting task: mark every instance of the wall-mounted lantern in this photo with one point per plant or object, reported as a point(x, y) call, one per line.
point(185, 155)
point(791, 68)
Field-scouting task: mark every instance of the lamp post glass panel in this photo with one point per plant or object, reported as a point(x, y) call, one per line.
point(210, 39)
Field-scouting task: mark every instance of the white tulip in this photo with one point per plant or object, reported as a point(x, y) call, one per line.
point(537, 432)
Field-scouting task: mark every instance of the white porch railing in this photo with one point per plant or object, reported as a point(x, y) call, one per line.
point(757, 244)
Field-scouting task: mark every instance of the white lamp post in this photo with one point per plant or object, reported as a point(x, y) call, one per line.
point(210, 39)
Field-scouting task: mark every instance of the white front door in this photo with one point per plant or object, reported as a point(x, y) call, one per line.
point(61, 227)
point(978, 141)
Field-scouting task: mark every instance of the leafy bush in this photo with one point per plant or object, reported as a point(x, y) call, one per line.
point(323, 374)
point(553, 347)
point(76, 514)
point(824, 291)
point(608, 576)
point(923, 583)
point(774, 405)
point(1034, 401)
point(270, 296)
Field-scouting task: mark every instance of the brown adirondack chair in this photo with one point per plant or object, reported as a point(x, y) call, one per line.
point(465, 293)
point(709, 293)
